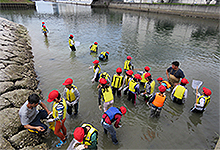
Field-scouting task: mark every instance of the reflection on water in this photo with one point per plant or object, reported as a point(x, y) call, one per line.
point(151, 39)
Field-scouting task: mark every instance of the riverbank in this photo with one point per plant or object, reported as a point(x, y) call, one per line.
point(196, 11)
point(18, 80)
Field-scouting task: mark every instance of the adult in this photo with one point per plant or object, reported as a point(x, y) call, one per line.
point(134, 88)
point(112, 115)
point(179, 93)
point(72, 43)
point(174, 73)
point(117, 80)
point(127, 64)
point(105, 93)
point(94, 48)
point(87, 134)
point(30, 116)
point(157, 101)
point(103, 56)
point(203, 101)
point(96, 70)
point(71, 95)
point(59, 115)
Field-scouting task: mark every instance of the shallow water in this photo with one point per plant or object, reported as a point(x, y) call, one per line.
point(151, 39)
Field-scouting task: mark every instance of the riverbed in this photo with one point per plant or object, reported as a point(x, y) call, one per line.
point(151, 39)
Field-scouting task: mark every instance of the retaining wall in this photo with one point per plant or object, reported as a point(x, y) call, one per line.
point(5, 6)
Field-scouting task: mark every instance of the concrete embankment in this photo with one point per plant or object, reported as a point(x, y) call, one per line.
point(200, 11)
point(18, 80)
point(6, 6)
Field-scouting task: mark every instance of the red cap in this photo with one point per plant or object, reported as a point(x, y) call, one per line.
point(137, 76)
point(129, 72)
point(184, 81)
point(147, 68)
point(68, 81)
point(207, 91)
point(96, 43)
point(44, 26)
point(107, 52)
point(129, 57)
point(160, 79)
point(79, 134)
point(162, 88)
point(103, 81)
point(52, 95)
point(123, 110)
point(119, 70)
point(43, 22)
point(95, 61)
point(147, 75)
point(71, 35)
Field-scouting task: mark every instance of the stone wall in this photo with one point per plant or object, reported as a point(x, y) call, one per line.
point(18, 80)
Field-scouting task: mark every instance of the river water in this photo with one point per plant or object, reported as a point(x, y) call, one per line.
point(151, 39)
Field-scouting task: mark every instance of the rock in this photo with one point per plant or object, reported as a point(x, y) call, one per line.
point(42, 146)
point(4, 103)
point(17, 97)
point(6, 86)
point(24, 139)
point(27, 83)
point(4, 144)
point(4, 76)
point(11, 124)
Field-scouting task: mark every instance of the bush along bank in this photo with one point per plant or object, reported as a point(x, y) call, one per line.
point(18, 80)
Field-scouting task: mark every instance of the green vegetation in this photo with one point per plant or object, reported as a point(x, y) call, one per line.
point(15, 1)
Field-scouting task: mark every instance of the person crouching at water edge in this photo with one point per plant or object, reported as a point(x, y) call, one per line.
point(30, 116)
point(179, 93)
point(133, 87)
point(72, 43)
point(157, 101)
point(149, 87)
point(203, 101)
point(94, 48)
point(113, 114)
point(105, 93)
point(59, 116)
point(96, 70)
point(71, 95)
point(44, 30)
point(87, 135)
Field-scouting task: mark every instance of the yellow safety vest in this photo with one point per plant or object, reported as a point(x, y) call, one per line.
point(132, 85)
point(70, 96)
point(159, 100)
point(105, 75)
point(126, 65)
point(55, 112)
point(103, 53)
point(70, 43)
point(94, 48)
point(44, 29)
point(107, 95)
point(116, 82)
point(87, 139)
point(207, 100)
point(152, 84)
point(179, 92)
point(143, 80)
point(167, 83)
point(94, 68)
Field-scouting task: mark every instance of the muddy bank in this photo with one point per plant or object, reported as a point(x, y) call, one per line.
point(18, 80)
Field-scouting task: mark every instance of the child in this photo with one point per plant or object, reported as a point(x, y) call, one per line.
point(94, 48)
point(142, 73)
point(72, 43)
point(44, 30)
point(127, 64)
point(134, 88)
point(127, 78)
point(117, 81)
point(179, 93)
point(103, 56)
point(149, 87)
point(164, 83)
